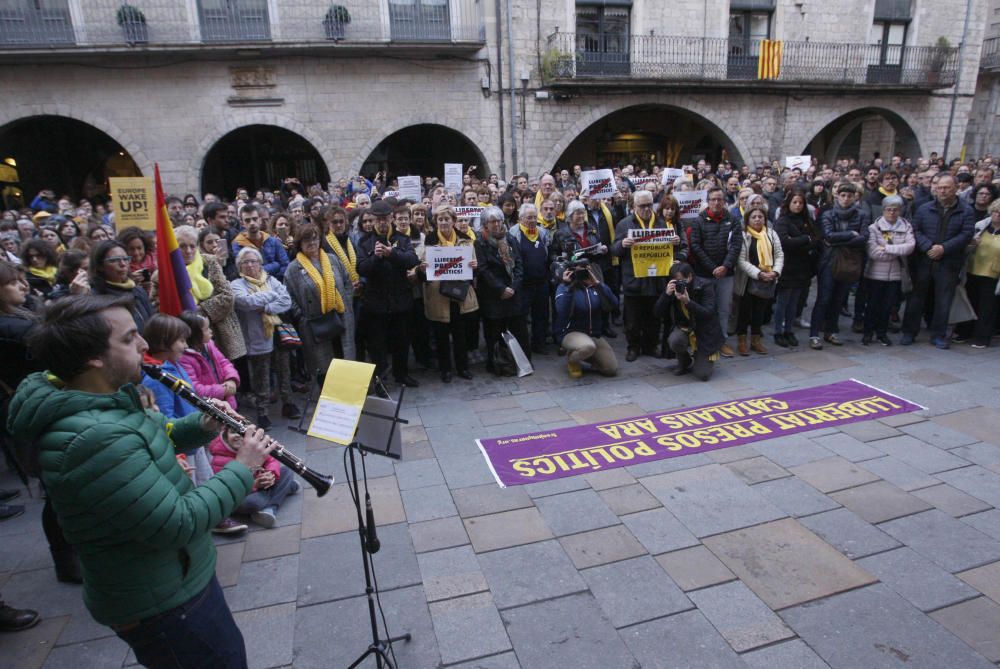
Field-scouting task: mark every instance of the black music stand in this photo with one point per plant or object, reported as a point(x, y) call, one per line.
point(366, 528)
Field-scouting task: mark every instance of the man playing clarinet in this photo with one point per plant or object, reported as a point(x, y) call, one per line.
point(109, 467)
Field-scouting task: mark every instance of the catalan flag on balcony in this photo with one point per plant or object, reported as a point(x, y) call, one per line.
point(769, 61)
point(174, 284)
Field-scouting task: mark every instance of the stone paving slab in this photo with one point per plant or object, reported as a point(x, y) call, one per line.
point(589, 549)
point(694, 568)
point(503, 530)
point(428, 503)
point(468, 627)
point(684, 641)
point(977, 623)
point(659, 531)
point(490, 498)
point(977, 481)
point(980, 453)
point(875, 627)
point(100, 652)
point(575, 512)
point(795, 497)
point(711, 499)
point(449, 573)
point(918, 580)
point(952, 501)
point(987, 522)
point(937, 433)
point(946, 541)
point(269, 634)
point(848, 533)
point(634, 591)
point(566, 632)
point(785, 564)
point(787, 655)
point(849, 448)
point(740, 616)
point(609, 478)
point(432, 535)
point(919, 454)
point(832, 474)
point(982, 423)
point(879, 501)
point(899, 473)
point(755, 469)
point(985, 579)
point(628, 499)
point(532, 573)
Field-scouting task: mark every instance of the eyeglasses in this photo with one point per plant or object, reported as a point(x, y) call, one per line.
point(117, 259)
point(250, 261)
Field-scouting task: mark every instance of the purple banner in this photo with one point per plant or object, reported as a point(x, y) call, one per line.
point(569, 451)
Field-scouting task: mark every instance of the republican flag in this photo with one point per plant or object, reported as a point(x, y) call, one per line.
point(174, 284)
point(769, 61)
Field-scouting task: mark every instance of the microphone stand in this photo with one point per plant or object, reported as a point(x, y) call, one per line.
point(369, 539)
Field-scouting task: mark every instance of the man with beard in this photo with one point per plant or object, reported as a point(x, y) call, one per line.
point(271, 248)
point(385, 256)
point(110, 471)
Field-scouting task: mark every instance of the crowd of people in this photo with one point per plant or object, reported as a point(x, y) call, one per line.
point(284, 281)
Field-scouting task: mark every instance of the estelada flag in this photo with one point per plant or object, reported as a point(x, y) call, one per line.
point(173, 284)
point(769, 61)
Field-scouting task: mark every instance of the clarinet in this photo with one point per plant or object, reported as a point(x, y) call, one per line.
point(239, 425)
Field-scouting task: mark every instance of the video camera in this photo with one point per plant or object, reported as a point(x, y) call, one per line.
point(579, 262)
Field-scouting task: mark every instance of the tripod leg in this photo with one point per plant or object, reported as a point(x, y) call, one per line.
point(313, 399)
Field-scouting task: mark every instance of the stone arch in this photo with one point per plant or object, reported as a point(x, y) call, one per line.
point(841, 122)
point(240, 119)
point(109, 128)
point(403, 122)
point(738, 148)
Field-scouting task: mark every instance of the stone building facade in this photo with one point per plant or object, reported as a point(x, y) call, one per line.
point(172, 98)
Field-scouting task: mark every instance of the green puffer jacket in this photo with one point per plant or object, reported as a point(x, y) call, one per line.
point(139, 524)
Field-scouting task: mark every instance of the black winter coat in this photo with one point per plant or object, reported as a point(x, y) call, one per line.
point(714, 244)
point(387, 291)
point(702, 311)
point(800, 242)
point(492, 278)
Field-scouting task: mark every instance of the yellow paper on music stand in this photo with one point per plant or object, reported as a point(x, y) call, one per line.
point(341, 400)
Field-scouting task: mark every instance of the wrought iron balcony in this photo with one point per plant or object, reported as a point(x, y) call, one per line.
point(579, 59)
point(990, 59)
point(42, 27)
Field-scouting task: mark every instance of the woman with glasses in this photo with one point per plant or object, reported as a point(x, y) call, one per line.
point(109, 275)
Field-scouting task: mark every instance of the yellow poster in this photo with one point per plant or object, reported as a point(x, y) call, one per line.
point(653, 252)
point(134, 200)
point(341, 400)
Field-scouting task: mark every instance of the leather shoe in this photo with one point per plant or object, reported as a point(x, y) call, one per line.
point(8, 511)
point(632, 355)
point(446, 377)
point(7, 495)
point(13, 620)
point(464, 374)
point(409, 382)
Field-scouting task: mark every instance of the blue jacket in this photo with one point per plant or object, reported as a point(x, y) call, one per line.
point(169, 404)
point(958, 231)
point(579, 310)
point(275, 257)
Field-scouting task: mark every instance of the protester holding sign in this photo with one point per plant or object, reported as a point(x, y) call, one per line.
point(715, 249)
point(445, 306)
point(642, 326)
point(758, 268)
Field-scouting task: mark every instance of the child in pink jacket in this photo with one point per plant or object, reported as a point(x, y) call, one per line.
point(210, 370)
point(272, 483)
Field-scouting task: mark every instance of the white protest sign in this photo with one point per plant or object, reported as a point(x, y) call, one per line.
point(690, 202)
point(801, 162)
point(470, 214)
point(597, 184)
point(453, 177)
point(390, 193)
point(650, 235)
point(644, 182)
point(449, 263)
point(670, 175)
point(409, 188)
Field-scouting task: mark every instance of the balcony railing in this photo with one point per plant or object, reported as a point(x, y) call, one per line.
point(991, 54)
point(570, 57)
point(175, 24)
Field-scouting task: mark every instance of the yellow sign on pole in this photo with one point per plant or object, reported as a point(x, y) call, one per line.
point(134, 200)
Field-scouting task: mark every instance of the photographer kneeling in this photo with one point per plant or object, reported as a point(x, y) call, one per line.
point(581, 300)
point(697, 335)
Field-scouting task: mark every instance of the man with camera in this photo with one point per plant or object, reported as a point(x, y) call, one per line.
point(696, 336)
point(581, 301)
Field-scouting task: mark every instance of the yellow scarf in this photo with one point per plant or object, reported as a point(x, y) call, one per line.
point(546, 224)
point(60, 249)
point(611, 230)
point(692, 338)
point(885, 193)
point(47, 273)
point(765, 253)
point(470, 233)
point(127, 284)
point(349, 259)
point(530, 235)
point(201, 288)
point(444, 241)
point(644, 225)
point(329, 296)
point(243, 239)
point(260, 286)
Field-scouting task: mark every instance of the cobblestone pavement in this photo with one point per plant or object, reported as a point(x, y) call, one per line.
point(874, 545)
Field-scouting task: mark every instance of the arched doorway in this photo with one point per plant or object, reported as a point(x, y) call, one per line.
point(862, 133)
point(423, 149)
point(260, 157)
point(63, 154)
point(649, 134)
